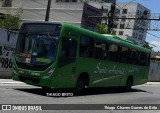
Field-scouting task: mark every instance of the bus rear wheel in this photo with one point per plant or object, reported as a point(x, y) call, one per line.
point(129, 84)
point(80, 86)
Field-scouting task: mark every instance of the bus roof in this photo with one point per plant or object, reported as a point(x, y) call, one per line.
point(108, 37)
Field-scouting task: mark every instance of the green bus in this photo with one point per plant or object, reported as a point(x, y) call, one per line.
point(61, 55)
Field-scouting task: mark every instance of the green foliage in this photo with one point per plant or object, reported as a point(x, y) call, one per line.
point(11, 20)
point(101, 28)
point(113, 32)
point(146, 45)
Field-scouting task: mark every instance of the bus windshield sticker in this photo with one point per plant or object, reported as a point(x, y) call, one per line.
point(28, 60)
point(43, 60)
point(34, 54)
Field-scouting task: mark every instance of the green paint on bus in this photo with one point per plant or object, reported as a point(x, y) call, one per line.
point(76, 57)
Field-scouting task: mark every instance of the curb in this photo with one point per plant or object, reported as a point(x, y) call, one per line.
point(11, 82)
point(5, 75)
point(153, 83)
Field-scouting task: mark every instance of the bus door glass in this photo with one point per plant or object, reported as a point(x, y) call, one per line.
point(67, 62)
point(68, 51)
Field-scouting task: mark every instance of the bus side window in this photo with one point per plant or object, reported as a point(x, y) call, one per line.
point(124, 54)
point(113, 54)
point(143, 58)
point(134, 59)
point(68, 51)
point(86, 47)
point(107, 46)
point(100, 49)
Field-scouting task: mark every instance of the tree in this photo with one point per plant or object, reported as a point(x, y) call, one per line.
point(101, 28)
point(113, 32)
point(11, 20)
point(146, 45)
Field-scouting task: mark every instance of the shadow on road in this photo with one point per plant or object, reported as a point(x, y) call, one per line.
point(88, 92)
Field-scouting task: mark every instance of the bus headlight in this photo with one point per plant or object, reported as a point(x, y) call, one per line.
point(49, 73)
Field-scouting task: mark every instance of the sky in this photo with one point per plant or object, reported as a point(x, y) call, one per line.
point(154, 6)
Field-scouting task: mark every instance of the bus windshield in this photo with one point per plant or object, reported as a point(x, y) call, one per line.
point(37, 46)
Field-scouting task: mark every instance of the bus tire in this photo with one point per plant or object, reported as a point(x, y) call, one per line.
point(80, 86)
point(129, 84)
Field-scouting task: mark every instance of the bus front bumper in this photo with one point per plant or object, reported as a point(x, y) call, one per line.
point(34, 80)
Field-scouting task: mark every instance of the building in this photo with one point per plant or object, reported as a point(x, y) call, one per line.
point(132, 30)
point(71, 11)
point(155, 55)
point(137, 32)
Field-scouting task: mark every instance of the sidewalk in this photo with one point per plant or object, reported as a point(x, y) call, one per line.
point(153, 83)
point(10, 81)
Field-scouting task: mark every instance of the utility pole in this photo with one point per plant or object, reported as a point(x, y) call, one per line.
point(111, 16)
point(48, 10)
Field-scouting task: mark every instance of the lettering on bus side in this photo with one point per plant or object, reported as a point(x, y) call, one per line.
point(134, 69)
point(114, 70)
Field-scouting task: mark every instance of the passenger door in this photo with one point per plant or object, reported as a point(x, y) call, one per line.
point(67, 62)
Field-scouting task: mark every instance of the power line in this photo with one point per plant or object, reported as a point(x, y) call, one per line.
point(150, 40)
point(128, 3)
point(57, 9)
point(104, 4)
point(124, 5)
point(153, 35)
point(42, 15)
point(38, 13)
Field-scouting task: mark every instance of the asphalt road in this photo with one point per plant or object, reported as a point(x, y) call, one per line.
point(19, 93)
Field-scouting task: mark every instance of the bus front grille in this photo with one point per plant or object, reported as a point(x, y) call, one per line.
point(32, 79)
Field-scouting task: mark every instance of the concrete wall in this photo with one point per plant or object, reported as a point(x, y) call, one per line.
point(7, 47)
point(154, 73)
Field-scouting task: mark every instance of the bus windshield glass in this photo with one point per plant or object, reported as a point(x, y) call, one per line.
point(37, 43)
